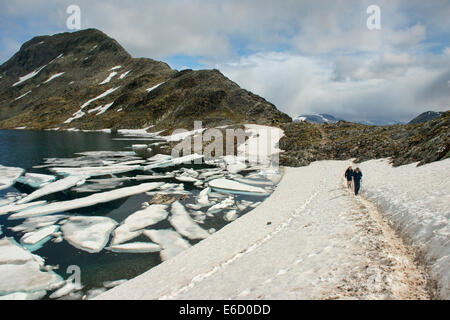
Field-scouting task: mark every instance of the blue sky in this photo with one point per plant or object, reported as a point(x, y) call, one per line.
point(303, 56)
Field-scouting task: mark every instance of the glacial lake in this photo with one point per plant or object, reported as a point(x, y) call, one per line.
point(40, 151)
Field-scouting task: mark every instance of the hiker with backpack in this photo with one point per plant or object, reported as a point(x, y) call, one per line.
point(357, 176)
point(349, 176)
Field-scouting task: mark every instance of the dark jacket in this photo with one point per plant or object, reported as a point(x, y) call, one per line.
point(357, 176)
point(349, 174)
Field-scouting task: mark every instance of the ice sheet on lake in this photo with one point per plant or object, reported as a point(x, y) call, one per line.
point(170, 241)
point(90, 234)
point(34, 237)
point(123, 234)
point(18, 207)
point(95, 171)
point(20, 271)
point(53, 187)
point(232, 186)
point(8, 176)
point(146, 217)
point(174, 161)
point(87, 201)
point(37, 295)
point(34, 223)
point(36, 180)
point(183, 223)
point(135, 247)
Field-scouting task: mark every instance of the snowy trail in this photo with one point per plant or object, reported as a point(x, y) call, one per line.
point(309, 240)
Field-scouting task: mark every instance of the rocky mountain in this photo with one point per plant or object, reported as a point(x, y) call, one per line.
point(424, 142)
point(426, 116)
point(86, 80)
point(316, 118)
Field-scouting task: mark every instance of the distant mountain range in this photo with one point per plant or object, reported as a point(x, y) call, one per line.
point(327, 118)
point(86, 80)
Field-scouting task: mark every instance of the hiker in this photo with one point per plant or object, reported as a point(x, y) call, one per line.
point(357, 175)
point(349, 176)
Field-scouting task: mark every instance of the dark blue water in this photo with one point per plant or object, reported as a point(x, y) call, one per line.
point(26, 149)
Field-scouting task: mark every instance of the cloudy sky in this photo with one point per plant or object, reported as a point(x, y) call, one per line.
point(303, 56)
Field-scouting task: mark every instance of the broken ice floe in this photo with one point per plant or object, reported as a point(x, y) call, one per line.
point(183, 223)
point(32, 238)
point(18, 207)
point(170, 241)
point(34, 223)
point(222, 205)
point(9, 175)
point(36, 180)
point(20, 270)
point(53, 187)
point(135, 247)
point(230, 186)
point(95, 171)
point(174, 161)
point(90, 234)
point(142, 150)
point(146, 217)
point(88, 201)
point(69, 287)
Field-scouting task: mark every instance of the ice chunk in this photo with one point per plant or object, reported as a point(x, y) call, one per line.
point(91, 294)
point(34, 223)
point(183, 223)
point(20, 271)
point(222, 205)
point(142, 150)
point(68, 288)
point(37, 295)
point(53, 187)
point(32, 238)
point(17, 207)
point(160, 157)
point(115, 283)
point(203, 196)
point(36, 180)
point(231, 186)
point(231, 216)
point(170, 241)
point(146, 217)
point(8, 176)
point(123, 234)
point(135, 247)
point(90, 234)
point(174, 161)
point(86, 201)
point(95, 171)
point(186, 179)
point(12, 253)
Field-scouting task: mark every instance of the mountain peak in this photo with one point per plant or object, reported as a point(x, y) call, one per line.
point(86, 80)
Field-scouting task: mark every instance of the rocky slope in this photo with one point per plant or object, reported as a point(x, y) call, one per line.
point(426, 116)
point(86, 80)
point(424, 142)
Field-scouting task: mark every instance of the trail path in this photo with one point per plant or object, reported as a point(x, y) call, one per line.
point(312, 239)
